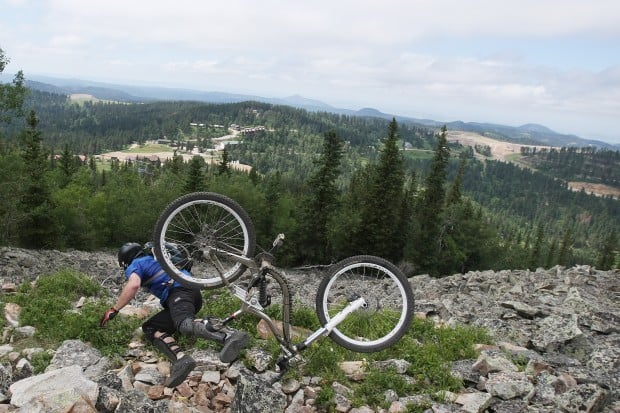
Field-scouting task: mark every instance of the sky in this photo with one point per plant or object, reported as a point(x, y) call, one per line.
point(551, 62)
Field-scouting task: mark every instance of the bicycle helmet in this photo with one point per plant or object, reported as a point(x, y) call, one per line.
point(128, 252)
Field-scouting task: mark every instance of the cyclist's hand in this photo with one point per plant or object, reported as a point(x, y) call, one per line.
point(109, 314)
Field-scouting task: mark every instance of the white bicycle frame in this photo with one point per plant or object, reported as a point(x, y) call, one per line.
point(251, 303)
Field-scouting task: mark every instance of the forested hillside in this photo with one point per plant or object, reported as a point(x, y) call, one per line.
point(336, 185)
point(576, 164)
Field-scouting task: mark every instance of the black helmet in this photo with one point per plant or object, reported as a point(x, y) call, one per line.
point(128, 252)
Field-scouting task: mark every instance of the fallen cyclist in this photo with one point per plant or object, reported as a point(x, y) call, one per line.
point(180, 306)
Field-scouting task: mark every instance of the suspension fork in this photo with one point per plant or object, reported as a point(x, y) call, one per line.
point(353, 306)
point(283, 362)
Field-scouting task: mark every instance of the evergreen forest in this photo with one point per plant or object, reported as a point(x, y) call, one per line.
point(336, 185)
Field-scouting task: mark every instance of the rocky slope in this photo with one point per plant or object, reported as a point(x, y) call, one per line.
point(557, 333)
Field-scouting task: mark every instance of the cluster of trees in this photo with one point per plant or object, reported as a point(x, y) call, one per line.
point(576, 164)
point(336, 185)
point(527, 200)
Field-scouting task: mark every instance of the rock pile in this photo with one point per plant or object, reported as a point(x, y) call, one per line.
point(557, 349)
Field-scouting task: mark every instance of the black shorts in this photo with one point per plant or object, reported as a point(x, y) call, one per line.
point(182, 303)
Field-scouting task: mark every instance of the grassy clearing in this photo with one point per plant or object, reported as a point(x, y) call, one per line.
point(418, 154)
point(430, 350)
point(149, 148)
point(81, 98)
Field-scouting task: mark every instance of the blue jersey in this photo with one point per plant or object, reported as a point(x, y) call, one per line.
point(152, 276)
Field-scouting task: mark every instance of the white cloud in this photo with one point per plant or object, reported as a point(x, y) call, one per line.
point(373, 23)
point(531, 60)
point(66, 42)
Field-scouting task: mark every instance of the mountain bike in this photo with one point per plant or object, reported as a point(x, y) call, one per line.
point(364, 303)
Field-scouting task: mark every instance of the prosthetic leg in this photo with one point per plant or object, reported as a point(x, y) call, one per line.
point(232, 341)
point(180, 367)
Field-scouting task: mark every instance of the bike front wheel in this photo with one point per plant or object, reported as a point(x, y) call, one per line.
point(197, 237)
point(388, 308)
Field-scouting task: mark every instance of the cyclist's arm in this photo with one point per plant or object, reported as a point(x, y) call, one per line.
point(129, 291)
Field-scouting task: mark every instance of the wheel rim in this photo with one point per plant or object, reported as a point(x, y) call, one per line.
point(387, 308)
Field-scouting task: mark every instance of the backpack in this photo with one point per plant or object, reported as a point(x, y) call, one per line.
point(179, 255)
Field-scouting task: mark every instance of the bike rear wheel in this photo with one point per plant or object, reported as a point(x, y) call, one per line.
point(202, 225)
point(389, 303)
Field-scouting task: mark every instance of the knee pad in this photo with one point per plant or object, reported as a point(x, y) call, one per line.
point(186, 327)
point(189, 327)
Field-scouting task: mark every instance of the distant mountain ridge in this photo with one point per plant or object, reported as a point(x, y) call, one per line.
point(525, 134)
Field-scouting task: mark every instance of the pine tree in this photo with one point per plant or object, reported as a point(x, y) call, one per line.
point(195, 178)
point(564, 254)
point(454, 195)
point(537, 248)
point(68, 166)
point(176, 165)
point(318, 207)
point(38, 227)
point(607, 258)
point(427, 247)
point(92, 165)
point(466, 241)
point(12, 95)
point(35, 159)
point(273, 193)
point(347, 230)
point(381, 212)
point(550, 261)
point(223, 167)
point(11, 176)
point(407, 221)
point(254, 176)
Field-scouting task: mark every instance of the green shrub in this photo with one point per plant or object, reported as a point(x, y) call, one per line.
point(67, 283)
point(48, 307)
point(40, 361)
point(322, 360)
point(305, 317)
point(325, 398)
point(111, 340)
point(2, 319)
point(371, 391)
point(431, 351)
